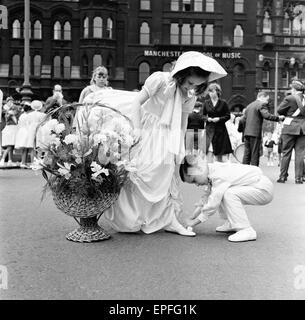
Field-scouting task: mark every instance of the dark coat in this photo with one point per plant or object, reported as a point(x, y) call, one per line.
point(217, 132)
point(253, 118)
point(287, 107)
point(195, 120)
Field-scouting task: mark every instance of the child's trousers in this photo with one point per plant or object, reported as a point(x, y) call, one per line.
point(234, 199)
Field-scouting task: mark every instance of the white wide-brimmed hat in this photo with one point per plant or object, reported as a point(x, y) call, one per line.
point(36, 105)
point(198, 59)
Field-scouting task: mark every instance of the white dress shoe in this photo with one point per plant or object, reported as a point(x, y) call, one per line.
point(226, 227)
point(176, 227)
point(247, 234)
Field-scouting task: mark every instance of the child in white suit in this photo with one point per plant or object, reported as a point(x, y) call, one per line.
point(232, 186)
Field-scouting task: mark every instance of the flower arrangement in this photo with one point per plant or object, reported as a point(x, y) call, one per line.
point(86, 156)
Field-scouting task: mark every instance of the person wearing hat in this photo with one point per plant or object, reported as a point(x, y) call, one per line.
point(152, 201)
point(293, 131)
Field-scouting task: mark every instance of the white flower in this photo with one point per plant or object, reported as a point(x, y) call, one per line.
point(54, 140)
point(97, 169)
point(71, 138)
point(65, 170)
point(37, 164)
point(99, 138)
point(78, 160)
point(52, 124)
point(128, 140)
point(59, 128)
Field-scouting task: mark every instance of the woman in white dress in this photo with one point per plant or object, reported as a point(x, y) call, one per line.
point(152, 201)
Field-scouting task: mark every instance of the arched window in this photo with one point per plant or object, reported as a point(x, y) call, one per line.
point(97, 61)
point(16, 30)
point(286, 24)
point(109, 28)
point(86, 27)
point(197, 34)
point(16, 65)
point(67, 67)
point(238, 36)
point(57, 67)
point(174, 5)
point(144, 71)
point(266, 75)
point(57, 30)
point(174, 33)
point(167, 67)
point(145, 5)
point(186, 34)
point(239, 75)
point(209, 35)
point(267, 23)
point(298, 24)
point(198, 5)
point(37, 65)
point(97, 27)
point(67, 31)
point(37, 30)
point(85, 67)
point(144, 33)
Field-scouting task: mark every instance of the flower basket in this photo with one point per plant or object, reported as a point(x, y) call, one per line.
point(85, 165)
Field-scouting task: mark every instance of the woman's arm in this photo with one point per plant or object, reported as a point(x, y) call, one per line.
point(141, 97)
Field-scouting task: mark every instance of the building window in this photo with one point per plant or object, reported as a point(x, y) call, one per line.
point(144, 33)
point(239, 6)
point(97, 27)
point(197, 34)
point(174, 33)
point(286, 24)
point(67, 31)
point(174, 5)
point(144, 72)
point(145, 5)
point(67, 67)
point(16, 65)
point(285, 77)
point(97, 61)
point(209, 6)
point(302, 73)
point(266, 75)
point(86, 27)
point(186, 5)
point(186, 34)
point(109, 28)
point(209, 35)
point(56, 67)
point(198, 5)
point(239, 75)
point(85, 67)
point(16, 30)
point(267, 23)
point(167, 67)
point(57, 31)
point(37, 65)
point(37, 30)
point(238, 36)
point(109, 66)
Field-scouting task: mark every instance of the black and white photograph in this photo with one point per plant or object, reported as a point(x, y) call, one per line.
point(152, 153)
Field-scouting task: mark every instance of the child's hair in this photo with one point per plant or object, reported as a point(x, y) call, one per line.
point(183, 169)
point(190, 71)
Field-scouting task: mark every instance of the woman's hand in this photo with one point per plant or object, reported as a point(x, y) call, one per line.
point(216, 119)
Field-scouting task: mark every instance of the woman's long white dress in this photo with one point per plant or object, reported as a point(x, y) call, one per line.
point(152, 199)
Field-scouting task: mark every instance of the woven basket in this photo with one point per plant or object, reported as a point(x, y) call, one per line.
point(81, 205)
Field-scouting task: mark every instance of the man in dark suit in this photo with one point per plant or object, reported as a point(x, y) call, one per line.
point(253, 118)
point(293, 132)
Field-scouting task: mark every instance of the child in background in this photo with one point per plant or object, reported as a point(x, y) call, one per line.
point(9, 132)
point(232, 186)
point(269, 144)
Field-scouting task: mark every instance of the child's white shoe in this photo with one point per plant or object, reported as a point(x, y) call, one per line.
point(2, 163)
point(226, 227)
point(247, 234)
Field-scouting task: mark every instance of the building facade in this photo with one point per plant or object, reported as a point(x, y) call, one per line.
point(134, 38)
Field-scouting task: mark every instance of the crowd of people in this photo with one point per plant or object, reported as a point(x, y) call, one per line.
point(183, 115)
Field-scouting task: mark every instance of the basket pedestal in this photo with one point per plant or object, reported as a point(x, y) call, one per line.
point(88, 231)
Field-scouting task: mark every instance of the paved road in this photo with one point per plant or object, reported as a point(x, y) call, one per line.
point(42, 264)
